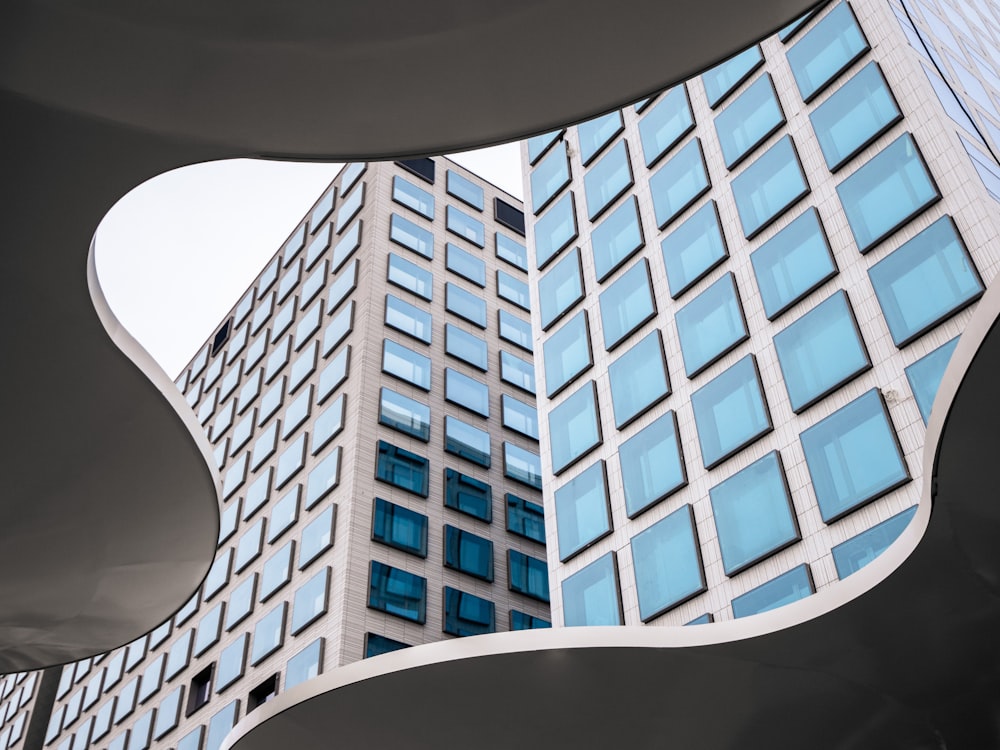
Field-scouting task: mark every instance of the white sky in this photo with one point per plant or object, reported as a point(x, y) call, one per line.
point(175, 254)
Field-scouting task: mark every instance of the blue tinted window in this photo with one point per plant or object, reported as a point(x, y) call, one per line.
point(665, 124)
point(268, 635)
point(519, 416)
point(566, 353)
point(468, 495)
point(583, 514)
point(411, 236)
point(465, 614)
point(591, 596)
point(721, 80)
point(926, 280)
point(220, 724)
point(787, 588)
point(679, 183)
point(710, 325)
point(232, 661)
point(826, 51)
point(791, 29)
point(525, 518)
point(468, 553)
point(511, 251)
point(338, 328)
point(402, 469)
point(397, 592)
point(522, 465)
point(753, 514)
point(410, 276)
point(854, 554)
point(888, 191)
point(549, 177)
point(464, 189)
point(322, 210)
point(467, 392)
point(792, 263)
point(345, 247)
point(854, 115)
point(407, 318)
point(345, 283)
point(406, 364)
point(693, 249)
point(748, 120)
point(466, 441)
point(574, 427)
point(515, 330)
point(925, 376)
point(769, 186)
point(465, 346)
point(853, 456)
point(404, 414)
point(333, 375)
point(638, 379)
point(465, 264)
point(465, 304)
point(616, 238)
point(465, 226)
point(523, 621)
point(516, 371)
point(667, 561)
point(376, 645)
point(350, 176)
point(730, 412)
point(652, 464)
point(595, 134)
point(349, 208)
point(514, 290)
point(626, 304)
point(407, 194)
point(305, 665)
point(560, 288)
point(555, 229)
point(528, 575)
point(311, 601)
point(820, 351)
point(538, 144)
point(607, 179)
point(317, 536)
point(277, 571)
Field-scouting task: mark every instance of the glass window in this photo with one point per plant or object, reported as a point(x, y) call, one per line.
point(638, 379)
point(307, 326)
point(288, 282)
point(513, 290)
point(652, 464)
point(345, 247)
point(290, 462)
point(243, 308)
point(232, 662)
point(519, 416)
point(725, 77)
point(512, 251)
point(753, 513)
point(323, 478)
point(886, 192)
point(468, 495)
point(667, 562)
point(821, 351)
point(537, 145)
point(616, 239)
point(303, 366)
point(854, 116)
point(250, 390)
point(397, 592)
point(769, 186)
point(465, 264)
point(522, 465)
point(928, 279)
point(317, 536)
point(465, 304)
point(152, 678)
point(583, 512)
point(748, 120)
point(236, 344)
point(125, 704)
point(826, 51)
point(464, 440)
point(793, 263)
point(607, 179)
point(853, 456)
point(317, 246)
point(410, 276)
point(209, 629)
point(402, 469)
point(338, 328)
point(693, 249)
point(787, 588)
point(465, 346)
point(268, 634)
point(322, 210)
point(566, 353)
point(277, 571)
point(191, 740)
point(664, 125)
point(466, 392)
point(277, 359)
point(465, 226)
point(730, 412)
point(179, 654)
point(574, 427)
point(262, 314)
point(284, 514)
point(407, 194)
point(517, 372)
point(854, 554)
point(311, 601)
point(265, 445)
point(555, 229)
point(328, 424)
point(406, 364)
point(141, 730)
point(249, 546)
point(350, 175)
point(528, 575)
point(255, 352)
point(525, 518)
point(464, 189)
point(333, 375)
point(407, 318)
point(167, 716)
point(791, 29)
point(404, 414)
point(710, 325)
point(305, 665)
point(925, 376)
point(411, 236)
point(515, 330)
point(468, 553)
point(218, 576)
point(400, 527)
point(523, 621)
point(465, 614)
point(626, 304)
point(679, 183)
point(549, 177)
point(267, 277)
point(241, 602)
point(595, 134)
point(297, 413)
point(591, 596)
point(349, 208)
point(560, 288)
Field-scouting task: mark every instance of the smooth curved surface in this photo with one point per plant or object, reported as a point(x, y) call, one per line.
point(903, 654)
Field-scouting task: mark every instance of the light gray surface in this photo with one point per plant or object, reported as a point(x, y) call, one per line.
point(903, 654)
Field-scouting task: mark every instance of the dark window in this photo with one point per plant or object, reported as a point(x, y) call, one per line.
point(522, 621)
point(401, 468)
point(200, 690)
point(508, 216)
point(376, 645)
point(264, 692)
point(397, 592)
point(468, 553)
point(465, 614)
point(400, 527)
point(528, 575)
point(525, 518)
point(422, 168)
point(468, 495)
point(221, 337)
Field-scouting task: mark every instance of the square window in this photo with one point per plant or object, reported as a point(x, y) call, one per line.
point(465, 226)
point(607, 179)
point(323, 478)
point(277, 571)
point(710, 325)
point(515, 330)
point(567, 353)
point(511, 251)
point(667, 562)
point(465, 304)
point(311, 601)
point(726, 77)
point(513, 290)
point(284, 514)
point(595, 134)
point(663, 126)
point(693, 249)
point(525, 518)
point(549, 177)
point(638, 379)
point(209, 630)
point(925, 376)
point(305, 665)
point(592, 595)
point(626, 304)
point(827, 50)
point(466, 441)
point(376, 645)
point(410, 276)
point(555, 230)
point(232, 662)
point(406, 364)
point(468, 553)
point(465, 346)
point(616, 239)
point(767, 188)
point(679, 183)
point(241, 602)
point(249, 546)
point(405, 415)
point(560, 289)
point(290, 462)
point(402, 469)
point(468, 495)
point(399, 527)
point(583, 511)
point(317, 536)
point(854, 554)
point(517, 372)
point(407, 194)
point(397, 592)
point(528, 575)
point(652, 464)
point(466, 392)
point(519, 416)
point(730, 412)
point(522, 465)
point(408, 319)
point(465, 264)
point(574, 427)
point(748, 121)
point(268, 634)
point(465, 614)
point(412, 236)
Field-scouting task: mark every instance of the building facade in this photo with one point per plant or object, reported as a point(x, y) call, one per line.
point(748, 289)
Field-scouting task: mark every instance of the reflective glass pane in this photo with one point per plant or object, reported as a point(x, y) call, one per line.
point(464, 189)
point(397, 592)
point(555, 229)
point(693, 249)
point(679, 183)
point(721, 80)
point(406, 364)
point(560, 288)
point(407, 194)
point(519, 416)
point(538, 144)
point(401, 468)
point(268, 634)
point(652, 464)
point(748, 120)
point(305, 665)
point(468, 495)
point(515, 330)
point(787, 588)
point(710, 325)
point(465, 614)
point(606, 179)
point(323, 478)
point(566, 353)
point(854, 554)
point(730, 412)
point(411, 236)
point(664, 125)
point(462, 439)
point(591, 596)
point(616, 238)
point(317, 536)
point(400, 527)
point(408, 319)
point(574, 427)
point(528, 575)
point(512, 251)
point(583, 514)
point(522, 465)
point(465, 226)
point(638, 379)
point(525, 518)
point(466, 392)
point(465, 304)
point(410, 276)
point(626, 304)
point(404, 414)
point(465, 264)
point(667, 562)
point(595, 134)
point(925, 376)
point(468, 553)
point(769, 186)
point(549, 177)
point(465, 346)
point(826, 51)
point(513, 290)
point(311, 601)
